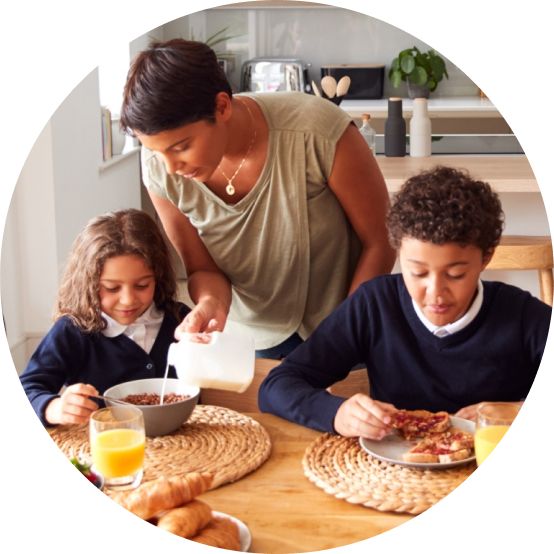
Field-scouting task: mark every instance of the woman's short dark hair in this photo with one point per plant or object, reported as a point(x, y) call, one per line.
point(446, 205)
point(171, 84)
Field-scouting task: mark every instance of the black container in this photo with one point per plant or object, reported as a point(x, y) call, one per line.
point(395, 130)
point(366, 81)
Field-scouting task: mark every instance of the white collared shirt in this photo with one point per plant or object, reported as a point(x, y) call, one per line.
point(143, 330)
point(459, 324)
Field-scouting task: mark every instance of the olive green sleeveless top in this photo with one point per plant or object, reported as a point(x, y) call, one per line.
point(287, 246)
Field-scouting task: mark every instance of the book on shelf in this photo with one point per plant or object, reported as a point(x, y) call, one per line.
point(106, 118)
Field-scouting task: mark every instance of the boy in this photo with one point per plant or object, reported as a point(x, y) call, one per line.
point(433, 337)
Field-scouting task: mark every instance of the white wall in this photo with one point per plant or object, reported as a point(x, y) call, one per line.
point(29, 248)
point(62, 185)
point(318, 36)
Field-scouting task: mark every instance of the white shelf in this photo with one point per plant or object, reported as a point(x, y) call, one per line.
point(114, 160)
point(448, 106)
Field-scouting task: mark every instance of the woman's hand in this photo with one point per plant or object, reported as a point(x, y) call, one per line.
point(207, 316)
point(361, 416)
point(73, 407)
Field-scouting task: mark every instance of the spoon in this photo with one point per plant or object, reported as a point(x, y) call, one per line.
point(343, 85)
point(110, 399)
point(316, 89)
point(329, 86)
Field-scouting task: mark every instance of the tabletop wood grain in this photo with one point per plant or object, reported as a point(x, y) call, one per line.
point(284, 511)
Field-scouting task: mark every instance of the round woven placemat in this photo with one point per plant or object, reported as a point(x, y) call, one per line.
point(343, 469)
point(214, 440)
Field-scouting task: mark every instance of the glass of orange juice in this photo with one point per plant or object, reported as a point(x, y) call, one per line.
point(492, 422)
point(117, 445)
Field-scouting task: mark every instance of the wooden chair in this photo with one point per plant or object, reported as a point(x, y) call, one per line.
point(355, 382)
point(518, 252)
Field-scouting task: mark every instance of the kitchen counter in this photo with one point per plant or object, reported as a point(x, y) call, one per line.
point(450, 106)
point(504, 173)
point(449, 114)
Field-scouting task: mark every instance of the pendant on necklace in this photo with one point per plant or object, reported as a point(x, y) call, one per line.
point(230, 189)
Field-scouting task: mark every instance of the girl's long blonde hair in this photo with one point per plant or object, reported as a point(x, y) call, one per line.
point(116, 233)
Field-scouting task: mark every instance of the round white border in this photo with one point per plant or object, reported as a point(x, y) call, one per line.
point(49, 47)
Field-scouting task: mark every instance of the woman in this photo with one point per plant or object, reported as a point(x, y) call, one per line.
point(273, 201)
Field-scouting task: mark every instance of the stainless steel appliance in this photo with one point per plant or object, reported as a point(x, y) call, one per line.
point(275, 74)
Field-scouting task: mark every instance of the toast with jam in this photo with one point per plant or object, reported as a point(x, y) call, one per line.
point(449, 446)
point(438, 442)
point(416, 424)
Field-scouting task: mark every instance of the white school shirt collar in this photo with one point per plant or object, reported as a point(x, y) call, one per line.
point(143, 330)
point(459, 324)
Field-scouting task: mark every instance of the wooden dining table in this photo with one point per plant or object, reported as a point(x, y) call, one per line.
point(286, 512)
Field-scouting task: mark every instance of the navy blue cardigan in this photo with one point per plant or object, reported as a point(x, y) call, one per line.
point(67, 355)
point(496, 357)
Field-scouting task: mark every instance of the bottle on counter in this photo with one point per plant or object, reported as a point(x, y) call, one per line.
point(368, 132)
point(420, 129)
point(395, 129)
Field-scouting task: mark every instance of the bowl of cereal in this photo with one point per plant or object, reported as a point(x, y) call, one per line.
point(159, 418)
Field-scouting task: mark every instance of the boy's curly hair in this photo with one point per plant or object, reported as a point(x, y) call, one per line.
point(446, 205)
point(120, 233)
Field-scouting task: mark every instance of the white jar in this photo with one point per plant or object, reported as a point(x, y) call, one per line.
point(420, 129)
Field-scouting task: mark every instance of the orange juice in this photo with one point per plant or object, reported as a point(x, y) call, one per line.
point(486, 438)
point(118, 452)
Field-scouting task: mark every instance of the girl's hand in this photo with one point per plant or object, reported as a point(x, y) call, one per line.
point(73, 407)
point(361, 416)
point(207, 316)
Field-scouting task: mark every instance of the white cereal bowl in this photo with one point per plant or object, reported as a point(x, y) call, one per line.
point(164, 419)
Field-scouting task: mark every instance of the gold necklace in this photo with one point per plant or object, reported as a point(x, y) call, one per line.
point(230, 189)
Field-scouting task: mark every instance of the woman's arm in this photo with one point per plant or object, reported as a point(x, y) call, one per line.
point(359, 186)
point(208, 286)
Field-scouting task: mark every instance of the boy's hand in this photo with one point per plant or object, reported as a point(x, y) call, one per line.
point(73, 407)
point(361, 416)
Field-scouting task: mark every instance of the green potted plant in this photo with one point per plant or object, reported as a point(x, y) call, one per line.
point(422, 71)
point(218, 38)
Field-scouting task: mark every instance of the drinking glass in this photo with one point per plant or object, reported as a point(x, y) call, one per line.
point(492, 422)
point(117, 446)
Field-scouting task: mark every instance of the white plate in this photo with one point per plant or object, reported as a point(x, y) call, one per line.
point(393, 446)
point(244, 533)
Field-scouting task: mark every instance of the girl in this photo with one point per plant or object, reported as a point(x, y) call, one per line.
point(115, 319)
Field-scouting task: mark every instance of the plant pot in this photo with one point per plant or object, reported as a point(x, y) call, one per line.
point(417, 91)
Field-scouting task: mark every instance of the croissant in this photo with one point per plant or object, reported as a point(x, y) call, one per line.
point(186, 521)
point(163, 494)
point(221, 532)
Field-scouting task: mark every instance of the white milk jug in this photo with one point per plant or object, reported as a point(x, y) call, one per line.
point(217, 360)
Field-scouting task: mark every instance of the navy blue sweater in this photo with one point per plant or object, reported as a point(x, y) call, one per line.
point(495, 357)
point(67, 355)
